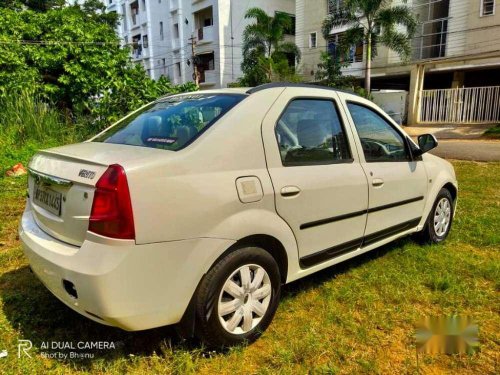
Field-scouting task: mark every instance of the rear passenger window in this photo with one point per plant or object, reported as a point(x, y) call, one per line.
point(310, 132)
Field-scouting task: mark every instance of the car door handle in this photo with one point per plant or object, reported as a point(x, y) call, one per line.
point(290, 191)
point(377, 182)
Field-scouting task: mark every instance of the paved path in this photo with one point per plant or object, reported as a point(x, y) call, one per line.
point(449, 131)
point(477, 150)
point(460, 142)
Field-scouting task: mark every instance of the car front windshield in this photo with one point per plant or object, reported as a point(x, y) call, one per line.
point(171, 123)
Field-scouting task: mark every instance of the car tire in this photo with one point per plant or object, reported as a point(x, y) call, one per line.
point(438, 224)
point(237, 299)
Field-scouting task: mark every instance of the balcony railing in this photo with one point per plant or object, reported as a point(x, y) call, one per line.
point(205, 34)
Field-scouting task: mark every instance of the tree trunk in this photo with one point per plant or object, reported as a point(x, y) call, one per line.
point(270, 72)
point(368, 73)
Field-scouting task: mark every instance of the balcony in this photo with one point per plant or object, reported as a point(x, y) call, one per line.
point(208, 78)
point(136, 20)
point(205, 34)
point(137, 52)
point(174, 6)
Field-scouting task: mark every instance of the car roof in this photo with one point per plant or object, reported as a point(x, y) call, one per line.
point(266, 86)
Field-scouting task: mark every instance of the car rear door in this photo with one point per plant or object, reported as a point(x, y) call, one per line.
point(321, 190)
point(397, 184)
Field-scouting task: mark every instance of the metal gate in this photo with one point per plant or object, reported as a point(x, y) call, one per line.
point(460, 106)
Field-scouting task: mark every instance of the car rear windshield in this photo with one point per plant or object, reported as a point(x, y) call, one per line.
point(171, 123)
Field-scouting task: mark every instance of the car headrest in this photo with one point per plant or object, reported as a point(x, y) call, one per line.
point(152, 128)
point(310, 133)
point(184, 134)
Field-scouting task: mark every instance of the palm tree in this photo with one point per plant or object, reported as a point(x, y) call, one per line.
point(264, 49)
point(372, 23)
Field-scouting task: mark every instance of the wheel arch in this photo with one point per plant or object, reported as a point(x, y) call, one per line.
point(452, 189)
point(271, 244)
point(268, 243)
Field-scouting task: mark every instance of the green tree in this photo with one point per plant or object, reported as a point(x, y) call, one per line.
point(372, 23)
point(71, 57)
point(330, 72)
point(36, 5)
point(265, 51)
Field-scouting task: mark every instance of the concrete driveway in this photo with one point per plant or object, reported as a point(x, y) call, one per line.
point(449, 131)
point(477, 150)
point(460, 142)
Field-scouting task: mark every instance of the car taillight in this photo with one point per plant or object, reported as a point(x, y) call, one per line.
point(111, 214)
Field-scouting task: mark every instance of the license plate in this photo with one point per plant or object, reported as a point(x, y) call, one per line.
point(48, 199)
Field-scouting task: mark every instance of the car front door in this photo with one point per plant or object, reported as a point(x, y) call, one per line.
point(397, 184)
point(321, 190)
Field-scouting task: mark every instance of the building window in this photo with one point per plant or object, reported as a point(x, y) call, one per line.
point(334, 6)
point(178, 69)
point(176, 30)
point(313, 40)
point(136, 46)
point(145, 41)
point(430, 39)
point(134, 10)
point(291, 29)
point(487, 8)
point(143, 5)
point(161, 30)
point(353, 53)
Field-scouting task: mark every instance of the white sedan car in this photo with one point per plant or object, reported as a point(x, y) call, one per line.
point(197, 208)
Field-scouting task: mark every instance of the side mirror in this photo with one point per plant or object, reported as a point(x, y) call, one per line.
point(426, 142)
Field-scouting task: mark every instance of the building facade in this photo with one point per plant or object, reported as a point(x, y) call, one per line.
point(168, 37)
point(456, 46)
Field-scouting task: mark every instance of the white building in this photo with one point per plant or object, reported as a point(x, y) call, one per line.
point(455, 62)
point(161, 31)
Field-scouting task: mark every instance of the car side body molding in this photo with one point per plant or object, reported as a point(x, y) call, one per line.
point(312, 224)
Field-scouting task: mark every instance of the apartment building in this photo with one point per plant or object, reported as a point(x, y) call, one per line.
point(456, 46)
point(161, 33)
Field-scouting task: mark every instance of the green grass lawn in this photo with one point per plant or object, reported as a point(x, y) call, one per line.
point(357, 317)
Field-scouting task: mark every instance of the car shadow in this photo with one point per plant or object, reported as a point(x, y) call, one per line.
point(318, 278)
point(43, 319)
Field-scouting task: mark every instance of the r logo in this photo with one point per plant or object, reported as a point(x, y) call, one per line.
point(25, 346)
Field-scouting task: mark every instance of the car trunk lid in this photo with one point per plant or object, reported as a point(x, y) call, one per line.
point(62, 181)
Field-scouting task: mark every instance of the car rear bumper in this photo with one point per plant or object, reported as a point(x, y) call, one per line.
point(119, 283)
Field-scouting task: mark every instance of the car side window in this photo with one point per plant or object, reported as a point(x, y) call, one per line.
point(380, 141)
point(310, 132)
